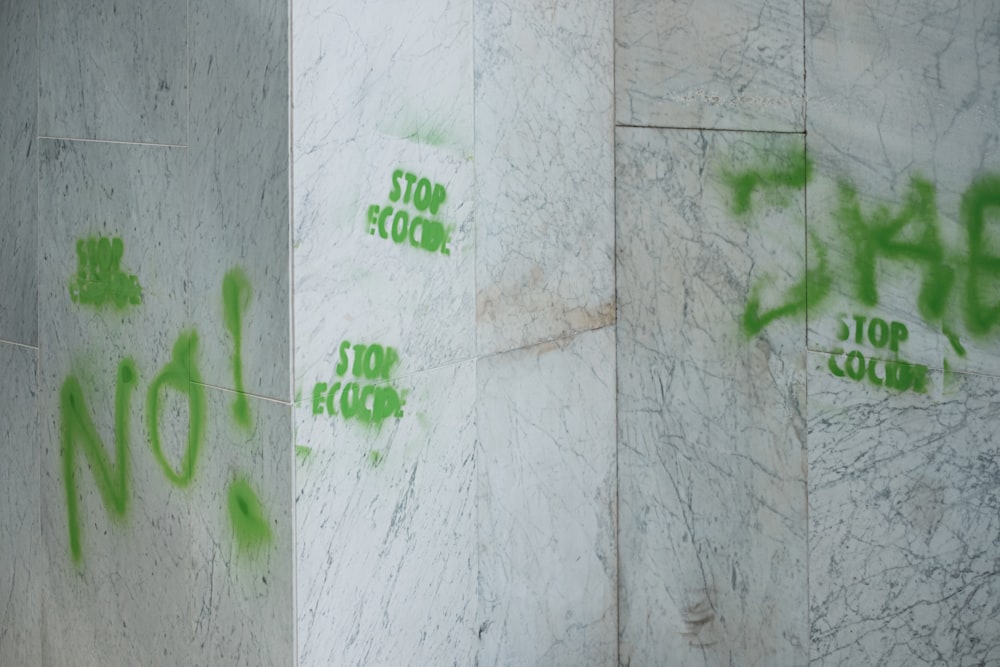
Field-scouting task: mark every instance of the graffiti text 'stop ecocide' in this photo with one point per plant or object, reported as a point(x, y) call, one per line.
point(404, 225)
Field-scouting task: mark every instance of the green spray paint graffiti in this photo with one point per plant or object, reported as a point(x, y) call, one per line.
point(401, 225)
point(369, 403)
point(235, 300)
point(246, 515)
point(76, 425)
point(179, 374)
point(99, 279)
point(981, 196)
point(789, 171)
point(910, 235)
point(866, 241)
point(892, 373)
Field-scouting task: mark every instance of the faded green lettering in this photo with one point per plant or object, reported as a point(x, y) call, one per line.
point(99, 279)
point(180, 374)
point(76, 425)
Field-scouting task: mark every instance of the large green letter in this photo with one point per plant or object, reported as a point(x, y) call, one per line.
point(180, 374)
point(76, 424)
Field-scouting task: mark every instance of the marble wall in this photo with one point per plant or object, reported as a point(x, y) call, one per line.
point(807, 310)
point(22, 571)
point(454, 342)
point(145, 319)
point(597, 332)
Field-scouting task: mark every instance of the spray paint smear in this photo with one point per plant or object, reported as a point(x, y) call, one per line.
point(250, 527)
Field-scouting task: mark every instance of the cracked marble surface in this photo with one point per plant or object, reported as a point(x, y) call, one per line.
point(545, 463)
point(711, 421)
point(113, 71)
point(544, 152)
point(386, 529)
point(22, 559)
point(18, 173)
point(719, 64)
point(904, 521)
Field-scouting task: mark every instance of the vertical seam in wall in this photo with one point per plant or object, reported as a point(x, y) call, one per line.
point(291, 334)
point(477, 442)
point(805, 407)
point(614, 328)
point(189, 214)
point(38, 315)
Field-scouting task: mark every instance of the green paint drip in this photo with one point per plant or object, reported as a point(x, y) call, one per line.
point(792, 170)
point(246, 514)
point(76, 425)
point(375, 457)
point(909, 235)
point(235, 300)
point(180, 374)
point(956, 344)
point(302, 451)
point(99, 279)
point(982, 194)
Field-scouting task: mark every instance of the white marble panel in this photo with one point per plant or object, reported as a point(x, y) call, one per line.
point(711, 407)
point(544, 148)
point(241, 559)
point(18, 172)
point(904, 131)
point(385, 520)
point(383, 91)
point(123, 597)
point(113, 70)
point(722, 64)
point(239, 185)
point(22, 559)
point(904, 521)
point(546, 503)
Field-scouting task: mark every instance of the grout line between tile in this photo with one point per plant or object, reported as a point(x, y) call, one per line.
point(36, 348)
point(245, 393)
point(708, 129)
point(110, 141)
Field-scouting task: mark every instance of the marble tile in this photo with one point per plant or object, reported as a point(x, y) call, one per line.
point(239, 171)
point(711, 431)
point(903, 134)
point(18, 172)
point(123, 596)
point(385, 521)
point(113, 70)
point(22, 560)
point(383, 119)
point(903, 521)
point(717, 64)
point(241, 557)
point(546, 503)
point(544, 151)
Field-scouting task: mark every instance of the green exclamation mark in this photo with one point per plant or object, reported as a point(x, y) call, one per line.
point(235, 299)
